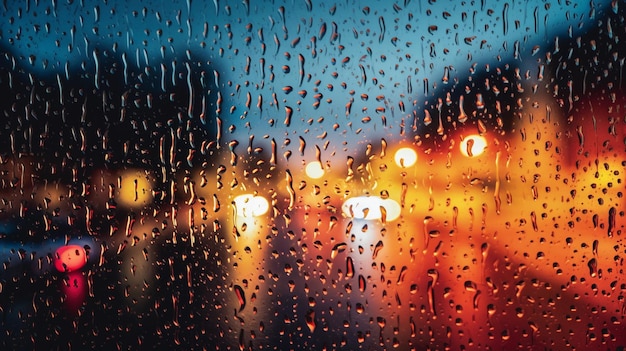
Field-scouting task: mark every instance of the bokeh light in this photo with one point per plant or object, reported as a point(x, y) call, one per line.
point(405, 157)
point(249, 205)
point(70, 258)
point(135, 189)
point(314, 170)
point(371, 208)
point(473, 145)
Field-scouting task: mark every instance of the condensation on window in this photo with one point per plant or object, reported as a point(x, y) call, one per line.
point(290, 175)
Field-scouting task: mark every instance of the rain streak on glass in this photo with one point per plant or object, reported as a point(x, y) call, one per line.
point(312, 175)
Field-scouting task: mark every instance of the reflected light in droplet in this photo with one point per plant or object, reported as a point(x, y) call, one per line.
point(249, 205)
point(314, 170)
point(405, 157)
point(74, 287)
point(473, 145)
point(370, 208)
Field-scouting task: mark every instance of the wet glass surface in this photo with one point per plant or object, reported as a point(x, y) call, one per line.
point(418, 175)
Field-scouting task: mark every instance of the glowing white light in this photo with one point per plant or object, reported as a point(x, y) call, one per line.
point(371, 208)
point(405, 157)
point(473, 145)
point(248, 205)
point(314, 170)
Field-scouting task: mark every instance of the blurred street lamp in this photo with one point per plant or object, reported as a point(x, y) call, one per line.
point(405, 157)
point(473, 145)
point(314, 170)
point(371, 208)
point(249, 205)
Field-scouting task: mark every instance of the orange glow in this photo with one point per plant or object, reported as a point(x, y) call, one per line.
point(134, 189)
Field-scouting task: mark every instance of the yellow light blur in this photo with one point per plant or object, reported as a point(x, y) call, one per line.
point(371, 208)
point(473, 145)
point(249, 205)
point(405, 157)
point(134, 189)
point(314, 170)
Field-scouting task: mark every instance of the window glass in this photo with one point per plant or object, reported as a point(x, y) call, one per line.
point(289, 175)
